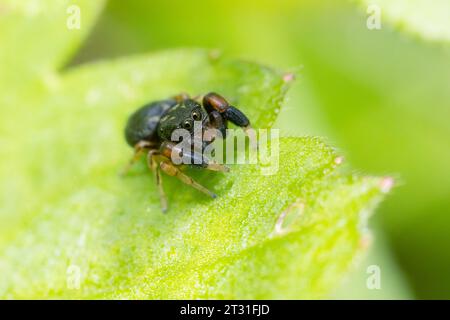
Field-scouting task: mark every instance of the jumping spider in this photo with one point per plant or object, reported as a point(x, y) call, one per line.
point(149, 130)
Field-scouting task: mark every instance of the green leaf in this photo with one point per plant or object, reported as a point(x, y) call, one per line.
point(374, 97)
point(36, 38)
point(427, 20)
point(66, 213)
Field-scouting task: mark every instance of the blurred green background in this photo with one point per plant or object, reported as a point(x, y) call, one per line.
point(381, 96)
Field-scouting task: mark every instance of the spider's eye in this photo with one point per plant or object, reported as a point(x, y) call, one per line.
point(196, 115)
point(187, 124)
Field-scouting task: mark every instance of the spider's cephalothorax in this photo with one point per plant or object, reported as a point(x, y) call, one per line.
point(149, 130)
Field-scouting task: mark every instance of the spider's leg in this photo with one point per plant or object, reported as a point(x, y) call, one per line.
point(217, 122)
point(214, 102)
point(172, 151)
point(139, 150)
point(173, 171)
point(181, 97)
point(153, 165)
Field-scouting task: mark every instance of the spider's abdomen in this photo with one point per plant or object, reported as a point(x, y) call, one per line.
point(142, 124)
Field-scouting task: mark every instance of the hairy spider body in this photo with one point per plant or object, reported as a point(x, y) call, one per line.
point(149, 130)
